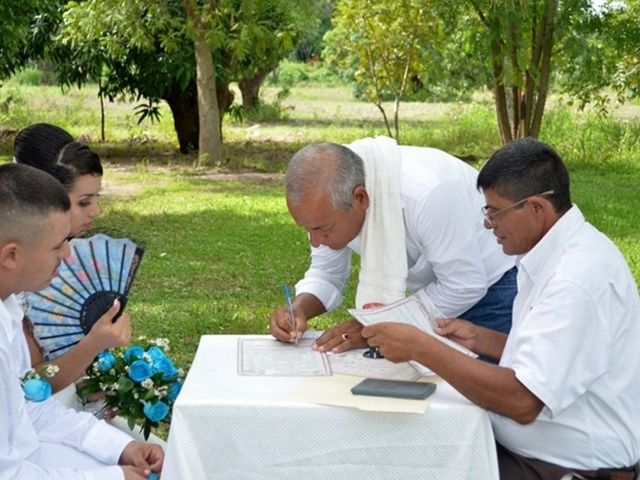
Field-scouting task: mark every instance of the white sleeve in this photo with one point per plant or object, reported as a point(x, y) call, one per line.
point(16, 444)
point(444, 224)
point(56, 423)
point(327, 276)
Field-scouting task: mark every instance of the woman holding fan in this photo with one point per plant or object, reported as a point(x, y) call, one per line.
point(50, 148)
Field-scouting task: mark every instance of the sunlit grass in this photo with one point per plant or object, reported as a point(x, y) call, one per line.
point(217, 251)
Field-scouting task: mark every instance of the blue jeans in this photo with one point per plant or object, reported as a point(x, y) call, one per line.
point(494, 310)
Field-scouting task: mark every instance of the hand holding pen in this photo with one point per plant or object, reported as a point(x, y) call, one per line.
point(288, 323)
point(287, 297)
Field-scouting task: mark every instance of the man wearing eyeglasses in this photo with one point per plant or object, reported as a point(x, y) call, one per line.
point(413, 215)
point(564, 398)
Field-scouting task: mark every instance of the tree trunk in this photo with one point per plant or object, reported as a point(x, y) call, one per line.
point(250, 89)
point(209, 139)
point(225, 99)
point(548, 25)
point(184, 107)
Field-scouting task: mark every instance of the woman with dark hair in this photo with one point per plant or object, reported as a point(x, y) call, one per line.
point(50, 148)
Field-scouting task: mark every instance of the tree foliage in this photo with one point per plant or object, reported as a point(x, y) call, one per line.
point(604, 56)
point(200, 23)
point(384, 46)
point(519, 49)
point(146, 49)
point(24, 26)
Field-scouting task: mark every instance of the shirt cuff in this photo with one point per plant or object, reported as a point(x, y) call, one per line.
point(105, 442)
point(327, 293)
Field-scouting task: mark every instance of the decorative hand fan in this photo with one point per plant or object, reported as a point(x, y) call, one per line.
point(99, 270)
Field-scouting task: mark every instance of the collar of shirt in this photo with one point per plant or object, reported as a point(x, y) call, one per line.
point(534, 262)
point(10, 317)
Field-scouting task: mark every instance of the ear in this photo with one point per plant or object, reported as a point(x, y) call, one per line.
point(543, 207)
point(360, 197)
point(9, 253)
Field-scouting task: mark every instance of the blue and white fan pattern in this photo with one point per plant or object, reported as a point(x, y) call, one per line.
point(99, 270)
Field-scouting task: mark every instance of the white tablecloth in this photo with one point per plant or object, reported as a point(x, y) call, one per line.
point(227, 426)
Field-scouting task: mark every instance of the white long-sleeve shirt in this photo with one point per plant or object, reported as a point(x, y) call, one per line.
point(24, 425)
point(449, 252)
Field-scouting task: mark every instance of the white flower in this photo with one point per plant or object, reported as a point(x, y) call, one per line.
point(148, 383)
point(51, 370)
point(136, 395)
point(112, 371)
point(161, 342)
point(147, 358)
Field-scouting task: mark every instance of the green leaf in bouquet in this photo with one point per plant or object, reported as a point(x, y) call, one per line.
point(124, 384)
point(131, 423)
point(147, 430)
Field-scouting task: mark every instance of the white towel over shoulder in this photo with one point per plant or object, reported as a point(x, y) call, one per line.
point(383, 264)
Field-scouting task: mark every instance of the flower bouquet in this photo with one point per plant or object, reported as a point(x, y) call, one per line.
point(139, 381)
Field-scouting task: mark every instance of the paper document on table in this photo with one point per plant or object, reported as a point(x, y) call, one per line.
point(269, 357)
point(416, 310)
point(354, 363)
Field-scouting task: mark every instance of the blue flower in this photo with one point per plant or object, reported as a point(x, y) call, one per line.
point(174, 390)
point(106, 361)
point(36, 389)
point(155, 411)
point(156, 353)
point(166, 366)
point(139, 371)
point(133, 353)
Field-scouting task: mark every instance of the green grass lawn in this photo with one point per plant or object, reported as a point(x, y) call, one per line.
point(219, 245)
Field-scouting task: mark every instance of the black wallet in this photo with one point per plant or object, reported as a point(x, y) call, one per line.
point(394, 388)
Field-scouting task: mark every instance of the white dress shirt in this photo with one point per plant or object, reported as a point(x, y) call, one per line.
point(574, 344)
point(449, 252)
point(26, 426)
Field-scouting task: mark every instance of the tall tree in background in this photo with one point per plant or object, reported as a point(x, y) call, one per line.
point(383, 46)
point(201, 23)
point(521, 42)
point(139, 49)
point(148, 50)
point(520, 38)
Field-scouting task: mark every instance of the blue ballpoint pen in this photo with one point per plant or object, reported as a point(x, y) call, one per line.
point(287, 296)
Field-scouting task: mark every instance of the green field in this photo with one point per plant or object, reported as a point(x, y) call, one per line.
point(218, 240)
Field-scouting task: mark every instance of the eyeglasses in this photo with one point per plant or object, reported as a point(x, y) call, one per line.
point(489, 216)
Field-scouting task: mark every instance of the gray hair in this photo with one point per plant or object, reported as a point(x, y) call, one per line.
point(325, 167)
